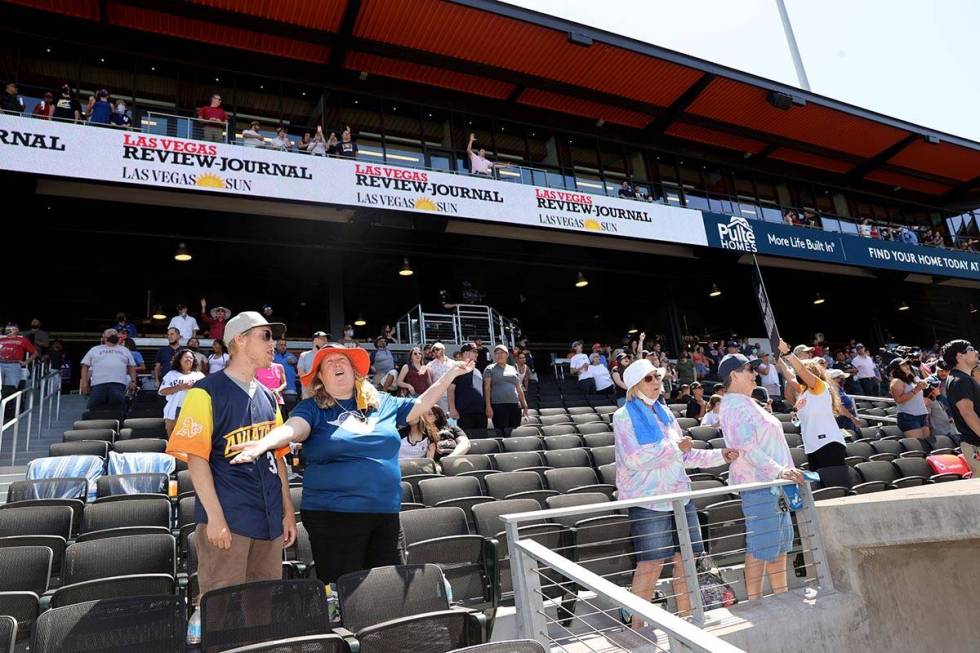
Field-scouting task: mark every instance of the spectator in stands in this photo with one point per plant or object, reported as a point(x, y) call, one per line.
point(304, 143)
point(438, 366)
point(305, 362)
point(119, 117)
point(597, 348)
point(348, 339)
point(847, 418)
point(45, 108)
point(100, 109)
point(651, 456)
point(288, 362)
point(479, 163)
point(696, 405)
point(382, 361)
point(528, 355)
point(713, 416)
point(763, 456)
point(868, 376)
point(686, 374)
point(184, 323)
point(414, 377)
point(251, 136)
point(215, 119)
point(578, 365)
point(318, 145)
point(940, 420)
point(700, 362)
point(67, 106)
point(56, 355)
point(599, 373)
point(352, 484)
point(818, 406)
point(281, 141)
point(906, 389)
point(202, 359)
point(346, 147)
point(165, 355)
point(38, 337)
point(140, 363)
point(768, 374)
point(452, 439)
point(418, 439)
point(273, 376)
point(963, 394)
point(242, 528)
point(466, 403)
point(184, 373)
point(11, 102)
point(122, 324)
point(16, 353)
point(107, 371)
point(791, 218)
point(523, 371)
point(627, 191)
point(623, 361)
point(503, 394)
point(218, 360)
point(215, 319)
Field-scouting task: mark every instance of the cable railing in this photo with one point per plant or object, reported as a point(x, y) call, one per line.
point(573, 596)
point(174, 126)
point(459, 323)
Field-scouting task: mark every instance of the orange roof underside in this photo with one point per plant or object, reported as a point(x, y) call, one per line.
point(743, 119)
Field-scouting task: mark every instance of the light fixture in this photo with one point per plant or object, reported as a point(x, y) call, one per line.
point(715, 290)
point(101, 60)
point(406, 270)
point(217, 79)
point(818, 300)
point(363, 75)
point(360, 320)
point(261, 86)
point(158, 314)
point(581, 281)
point(183, 254)
point(973, 309)
point(903, 306)
point(600, 122)
point(632, 329)
point(49, 50)
point(153, 69)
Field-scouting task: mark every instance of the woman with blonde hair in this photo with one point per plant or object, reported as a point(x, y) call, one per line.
point(817, 407)
point(352, 482)
point(419, 439)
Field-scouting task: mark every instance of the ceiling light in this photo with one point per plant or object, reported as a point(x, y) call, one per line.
point(715, 290)
point(903, 306)
point(183, 254)
point(406, 270)
point(360, 320)
point(632, 329)
point(158, 314)
point(581, 281)
point(818, 300)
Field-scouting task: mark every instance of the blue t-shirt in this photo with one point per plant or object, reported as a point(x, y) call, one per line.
point(138, 358)
point(288, 361)
point(468, 393)
point(165, 356)
point(352, 465)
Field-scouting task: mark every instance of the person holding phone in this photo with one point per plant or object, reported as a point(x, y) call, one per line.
point(906, 389)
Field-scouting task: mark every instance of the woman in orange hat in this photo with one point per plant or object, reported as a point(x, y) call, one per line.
point(352, 483)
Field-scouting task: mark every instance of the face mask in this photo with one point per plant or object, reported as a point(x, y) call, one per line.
point(112, 340)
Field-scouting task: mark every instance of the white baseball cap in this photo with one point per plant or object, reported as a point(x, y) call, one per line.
point(249, 320)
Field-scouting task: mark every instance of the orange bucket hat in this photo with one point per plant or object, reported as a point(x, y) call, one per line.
point(359, 359)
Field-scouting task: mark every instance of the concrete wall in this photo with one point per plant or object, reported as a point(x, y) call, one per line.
point(906, 570)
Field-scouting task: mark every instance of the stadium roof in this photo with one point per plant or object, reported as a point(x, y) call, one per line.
point(487, 48)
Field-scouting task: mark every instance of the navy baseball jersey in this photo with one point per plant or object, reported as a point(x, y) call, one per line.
point(217, 413)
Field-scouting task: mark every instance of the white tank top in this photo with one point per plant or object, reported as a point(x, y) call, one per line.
point(817, 421)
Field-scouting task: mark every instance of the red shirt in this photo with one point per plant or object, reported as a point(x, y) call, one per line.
point(14, 349)
point(216, 328)
point(212, 113)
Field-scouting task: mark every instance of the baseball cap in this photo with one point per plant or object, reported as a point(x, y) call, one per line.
point(800, 349)
point(695, 385)
point(895, 363)
point(755, 363)
point(859, 346)
point(319, 334)
point(731, 343)
point(760, 394)
point(835, 373)
point(249, 320)
point(502, 348)
point(469, 346)
point(729, 364)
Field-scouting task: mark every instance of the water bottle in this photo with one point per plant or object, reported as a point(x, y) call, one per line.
point(333, 605)
point(194, 628)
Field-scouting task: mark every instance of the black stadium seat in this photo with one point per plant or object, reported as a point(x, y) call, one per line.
point(98, 448)
point(89, 434)
point(136, 512)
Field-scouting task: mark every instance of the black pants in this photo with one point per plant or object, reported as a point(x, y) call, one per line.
point(506, 417)
point(343, 542)
point(828, 462)
point(472, 421)
point(869, 386)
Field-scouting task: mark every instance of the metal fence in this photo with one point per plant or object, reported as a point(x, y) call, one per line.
point(573, 597)
point(165, 124)
point(42, 386)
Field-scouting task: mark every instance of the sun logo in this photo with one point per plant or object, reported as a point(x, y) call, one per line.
point(210, 181)
point(592, 225)
point(423, 204)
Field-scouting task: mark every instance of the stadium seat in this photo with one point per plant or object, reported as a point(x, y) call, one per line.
point(687, 422)
point(474, 464)
point(307, 644)
point(554, 420)
point(918, 468)
point(518, 461)
point(571, 480)
point(145, 483)
point(603, 455)
point(581, 410)
point(887, 449)
point(67, 467)
point(595, 428)
point(25, 569)
point(399, 607)
point(113, 587)
point(518, 485)
point(793, 439)
point(704, 433)
point(108, 435)
point(525, 431)
point(569, 441)
point(142, 445)
point(98, 448)
point(876, 475)
point(154, 511)
point(578, 457)
point(8, 634)
point(602, 439)
point(914, 447)
point(858, 452)
point(944, 464)
point(607, 474)
point(559, 429)
point(454, 491)
point(147, 624)
point(943, 444)
point(577, 499)
point(140, 462)
point(147, 427)
point(724, 532)
point(16, 519)
point(586, 418)
point(486, 446)
point(85, 424)
point(790, 427)
point(527, 443)
point(830, 493)
point(891, 431)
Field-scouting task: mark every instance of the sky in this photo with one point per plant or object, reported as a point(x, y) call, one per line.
point(914, 60)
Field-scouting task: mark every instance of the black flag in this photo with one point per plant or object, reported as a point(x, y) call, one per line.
point(764, 306)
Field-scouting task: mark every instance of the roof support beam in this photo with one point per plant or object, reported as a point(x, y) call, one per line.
point(882, 157)
point(665, 119)
point(342, 39)
point(960, 191)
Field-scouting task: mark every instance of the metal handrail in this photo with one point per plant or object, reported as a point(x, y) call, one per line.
point(190, 133)
point(676, 628)
point(15, 420)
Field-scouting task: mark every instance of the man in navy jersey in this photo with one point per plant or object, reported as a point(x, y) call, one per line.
point(244, 514)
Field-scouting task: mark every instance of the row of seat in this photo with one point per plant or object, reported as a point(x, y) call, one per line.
point(101, 448)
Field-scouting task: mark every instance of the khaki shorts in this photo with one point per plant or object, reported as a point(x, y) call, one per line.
point(247, 560)
point(969, 451)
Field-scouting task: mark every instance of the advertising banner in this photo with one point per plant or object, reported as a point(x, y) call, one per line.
point(110, 155)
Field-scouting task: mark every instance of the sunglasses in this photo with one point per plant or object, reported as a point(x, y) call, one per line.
point(650, 377)
point(265, 335)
